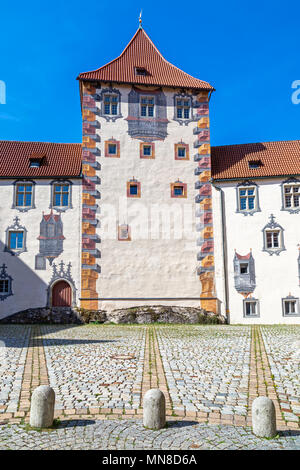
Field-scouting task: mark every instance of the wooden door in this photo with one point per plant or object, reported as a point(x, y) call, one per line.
point(61, 294)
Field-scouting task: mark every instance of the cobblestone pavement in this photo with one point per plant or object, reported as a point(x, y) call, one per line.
point(14, 342)
point(208, 373)
point(131, 435)
point(95, 367)
point(207, 369)
point(284, 362)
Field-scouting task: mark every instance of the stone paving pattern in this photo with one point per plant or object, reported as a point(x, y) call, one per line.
point(208, 373)
point(284, 363)
point(131, 435)
point(95, 367)
point(207, 369)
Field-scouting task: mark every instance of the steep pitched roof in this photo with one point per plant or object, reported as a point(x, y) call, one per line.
point(57, 160)
point(142, 53)
point(271, 158)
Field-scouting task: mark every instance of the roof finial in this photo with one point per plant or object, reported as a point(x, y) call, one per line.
point(140, 19)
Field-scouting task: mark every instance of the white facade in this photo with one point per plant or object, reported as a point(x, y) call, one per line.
point(156, 266)
point(31, 287)
point(276, 275)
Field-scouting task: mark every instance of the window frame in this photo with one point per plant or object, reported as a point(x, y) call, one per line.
point(109, 142)
point(123, 239)
point(184, 97)
point(131, 183)
point(290, 299)
point(148, 106)
point(246, 185)
point(60, 182)
point(184, 190)
point(273, 226)
point(23, 182)
point(291, 182)
point(5, 277)
point(147, 144)
point(113, 92)
point(251, 300)
point(15, 227)
point(181, 145)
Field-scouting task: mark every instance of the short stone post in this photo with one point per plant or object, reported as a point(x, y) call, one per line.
point(154, 415)
point(263, 417)
point(42, 407)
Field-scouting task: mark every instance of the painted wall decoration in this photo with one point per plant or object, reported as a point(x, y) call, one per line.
point(90, 195)
point(15, 238)
point(206, 270)
point(5, 283)
point(147, 114)
point(183, 109)
point(110, 99)
point(244, 273)
point(273, 239)
point(62, 272)
point(51, 239)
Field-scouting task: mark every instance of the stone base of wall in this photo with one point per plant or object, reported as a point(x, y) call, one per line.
point(138, 315)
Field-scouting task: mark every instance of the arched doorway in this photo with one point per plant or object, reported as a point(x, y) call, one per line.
point(61, 294)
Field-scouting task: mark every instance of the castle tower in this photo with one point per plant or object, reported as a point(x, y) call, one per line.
point(147, 222)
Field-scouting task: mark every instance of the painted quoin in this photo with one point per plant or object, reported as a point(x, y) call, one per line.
point(145, 212)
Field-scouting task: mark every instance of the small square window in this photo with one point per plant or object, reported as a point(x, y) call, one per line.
point(181, 151)
point(147, 150)
point(35, 164)
point(290, 306)
point(140, 71)
point(112, 149)
point(124, 232)
point(133, 189)
point(178, 190)
point(251, 308)
point(244, 268)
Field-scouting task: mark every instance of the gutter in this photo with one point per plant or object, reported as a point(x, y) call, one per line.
point(224, 250)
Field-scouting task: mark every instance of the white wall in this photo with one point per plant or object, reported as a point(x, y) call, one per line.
point(30, 285)
point(147, 268)
point(276, 276)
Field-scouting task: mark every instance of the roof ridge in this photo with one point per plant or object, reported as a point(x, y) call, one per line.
point(256, 143)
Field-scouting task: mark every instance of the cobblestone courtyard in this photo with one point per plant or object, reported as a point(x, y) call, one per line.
point(209, 374)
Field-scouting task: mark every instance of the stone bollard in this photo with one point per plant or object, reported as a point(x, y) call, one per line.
point(263, 417)
point(42, 407)
point(154, 415)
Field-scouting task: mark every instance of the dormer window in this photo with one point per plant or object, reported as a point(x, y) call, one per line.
point(36, 160)
point(254, 164)
point(141, 71)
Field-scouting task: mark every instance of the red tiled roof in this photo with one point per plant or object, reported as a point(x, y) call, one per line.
point(243, 256)
point(59, 159)
point(276, 159)
point(142, 53)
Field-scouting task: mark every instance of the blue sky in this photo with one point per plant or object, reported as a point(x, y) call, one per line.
point(248, 51)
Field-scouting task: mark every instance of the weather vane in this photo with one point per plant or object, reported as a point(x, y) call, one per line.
point(140, 18)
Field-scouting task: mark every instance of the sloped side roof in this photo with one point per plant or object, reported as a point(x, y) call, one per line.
point(141, 52)
point(274, 158)
point(60, 160)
